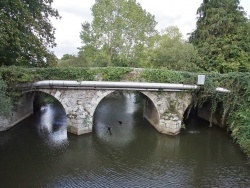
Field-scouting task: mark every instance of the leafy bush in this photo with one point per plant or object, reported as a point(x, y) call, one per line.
point(167, 76)
point(5, 102)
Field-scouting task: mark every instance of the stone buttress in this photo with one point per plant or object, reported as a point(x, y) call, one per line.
point(165, 110)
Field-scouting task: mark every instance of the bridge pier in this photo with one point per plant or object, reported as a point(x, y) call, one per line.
point(170, 108)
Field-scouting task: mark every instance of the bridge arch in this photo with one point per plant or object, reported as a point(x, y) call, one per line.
point(204, 111)
point(150, 112)
point(30, 97)
point(54, 96)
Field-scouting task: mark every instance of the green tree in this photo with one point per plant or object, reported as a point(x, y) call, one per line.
point(26, 32)
point(68, 56)
point(69, 60)
point(222, 36)
point(117, 34)
point(169, 50)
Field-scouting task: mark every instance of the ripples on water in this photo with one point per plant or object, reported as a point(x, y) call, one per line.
point(39, 153)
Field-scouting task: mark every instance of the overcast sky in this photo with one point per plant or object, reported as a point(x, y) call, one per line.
point(180, 13)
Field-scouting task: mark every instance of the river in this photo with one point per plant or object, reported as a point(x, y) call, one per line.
point(123, 151)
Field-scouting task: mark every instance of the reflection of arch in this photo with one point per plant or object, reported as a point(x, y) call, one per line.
point(150, 111)
point(25, 106)
point(54, 98)
point(114, 116)
point(99, 99)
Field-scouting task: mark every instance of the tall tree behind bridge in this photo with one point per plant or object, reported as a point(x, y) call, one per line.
point(222, 36)
point(26, 32)
point(117, 34)
point(169, 50)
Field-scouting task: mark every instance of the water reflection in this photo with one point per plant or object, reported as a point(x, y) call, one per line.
point(51, 124)
point(135, 155)
point(114, 119)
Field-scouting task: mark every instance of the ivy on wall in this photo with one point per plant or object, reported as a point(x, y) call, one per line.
point(5, 107)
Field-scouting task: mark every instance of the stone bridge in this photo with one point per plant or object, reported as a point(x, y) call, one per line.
point(163, 110)
point(164, 104)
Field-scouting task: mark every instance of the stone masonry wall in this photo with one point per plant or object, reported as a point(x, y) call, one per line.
point(170, 107)
point(22, 110)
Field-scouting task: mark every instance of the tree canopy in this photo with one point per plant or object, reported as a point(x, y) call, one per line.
point(117, 34)
point(26, 32)
point(169, 50)
point(222, 36)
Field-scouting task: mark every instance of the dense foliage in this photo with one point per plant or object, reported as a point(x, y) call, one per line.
point(26, 32)
point(169, 50)
point(69, 60)
point(117, 34)
point(166, 49)
point(5, 107)
point(222, 36)
point(16, 75)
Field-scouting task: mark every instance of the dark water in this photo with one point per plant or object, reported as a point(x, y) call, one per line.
point(39, 153)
